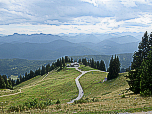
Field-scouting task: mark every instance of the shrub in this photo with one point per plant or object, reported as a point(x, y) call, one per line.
point(80, 101)
point(123, 96)
point(34, 103)
point(58, 101)
point(58, 107)
point(13, 108)
point(146, 93)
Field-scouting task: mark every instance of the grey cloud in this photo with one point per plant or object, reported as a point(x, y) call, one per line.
point(64, 11)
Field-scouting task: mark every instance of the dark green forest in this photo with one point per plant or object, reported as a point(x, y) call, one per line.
point(140, 76)
point(18, 67)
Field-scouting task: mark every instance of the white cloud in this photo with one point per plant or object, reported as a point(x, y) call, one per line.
point(65, 16)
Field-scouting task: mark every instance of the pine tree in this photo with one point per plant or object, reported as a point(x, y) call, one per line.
point(97, 64)
point(92, 63)
point(71, 60)
point(102, 66)
point(60, 63)
point(2, 83)
point(21, 79)
point(134, 81)
point(53, 66)
point(84, 61)
point(6, 81)
point(79, 61)
point(66, 59)
point(140, 76)
point(17, 81)
point(146, 76)
point(32, 74)
point(43, 70)
point(47, 68)
point(10, 83)
point(143, 49)
point(63, 62)
point(13, 82)
point(26, 76)
point(114, 68)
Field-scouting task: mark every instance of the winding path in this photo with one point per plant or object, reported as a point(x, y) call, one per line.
point(81, 93)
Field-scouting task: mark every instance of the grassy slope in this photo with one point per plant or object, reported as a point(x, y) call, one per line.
point(58, 85)
point(86, 68)
point(61, 85)
point(109, 95)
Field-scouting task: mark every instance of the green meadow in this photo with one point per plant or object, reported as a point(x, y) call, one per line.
point(107, 97)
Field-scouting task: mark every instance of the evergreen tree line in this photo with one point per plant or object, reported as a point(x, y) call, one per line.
point(5, 83)
point(8, 83)
point(100, 65)
point(141, 68)
point(114, 68)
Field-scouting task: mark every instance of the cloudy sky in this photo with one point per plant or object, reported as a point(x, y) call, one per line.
point(75, 16)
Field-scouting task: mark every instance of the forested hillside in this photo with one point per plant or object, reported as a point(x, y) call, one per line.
point(20, 66)
point(47, 46)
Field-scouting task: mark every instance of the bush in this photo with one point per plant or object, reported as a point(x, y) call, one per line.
point(123, 96)
point(33, 104)
point(146, 93)
point(13, 108)
point(58, 107)
point(58, 101)
point(80, 101)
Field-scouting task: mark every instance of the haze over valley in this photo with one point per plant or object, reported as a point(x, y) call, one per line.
point(47, 46)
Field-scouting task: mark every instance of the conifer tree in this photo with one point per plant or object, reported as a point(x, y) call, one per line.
point(63, 62)
point(43, 70)
point(143, 49)
point(97, 64)
point(92, 63)
point(140, 77)
point(2, 83)
point(17, 81)
point(102, 66)
point(71, 60)
point(66, 59)
point(118, 64)
point(32, 74)
point(84, 61)
point(79, 61)
point(47, 68)
point(60, 63)
point(21, 79)
point(6, 81)
point(26, 76)
point(13, 82)
point(114, 68)
point(10, 84)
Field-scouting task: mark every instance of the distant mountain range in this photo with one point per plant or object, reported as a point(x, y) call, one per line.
point(47, 46)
